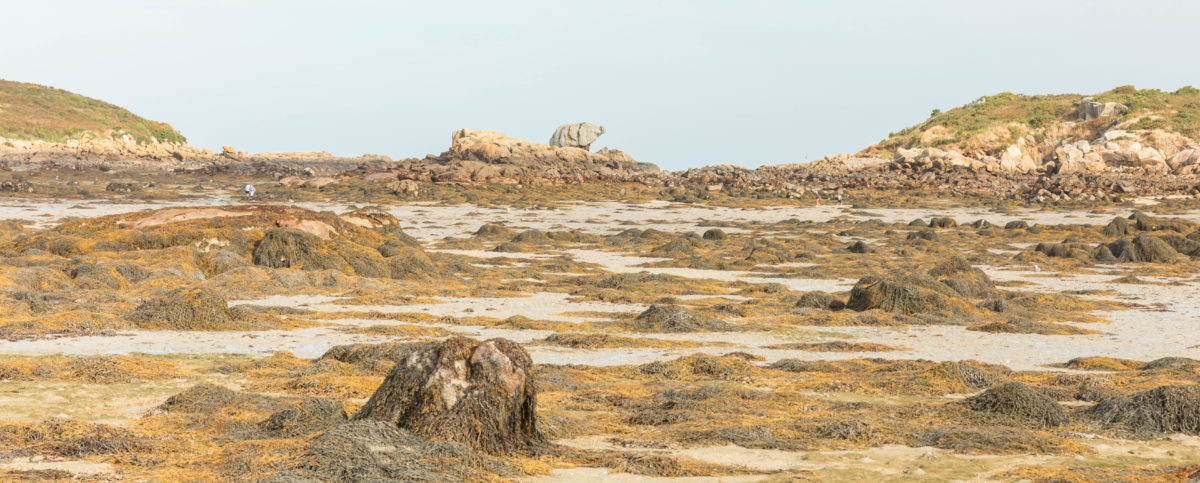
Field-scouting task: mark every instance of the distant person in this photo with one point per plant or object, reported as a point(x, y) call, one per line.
point(249, 191)
point(839, 198)
point(818, 199)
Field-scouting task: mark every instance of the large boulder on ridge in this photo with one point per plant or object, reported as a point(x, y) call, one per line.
point(578, 135)
point(481, 394)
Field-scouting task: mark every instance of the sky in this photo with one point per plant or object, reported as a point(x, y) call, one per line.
point(677, 83)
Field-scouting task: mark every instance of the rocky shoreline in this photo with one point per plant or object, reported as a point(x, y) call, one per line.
point(1113, 166)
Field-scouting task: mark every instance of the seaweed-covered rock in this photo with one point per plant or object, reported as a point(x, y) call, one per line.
point(1142, 249)
point(1171, 363)
point(481, 394)
point(1063, 250)
point(963, 278)
point(715, 234)
point(819, 300)
point(217, 262)
point(188, 309)
point(1118, 227)
point(677, 248)
point(673, 318)
point(96, 276)
point(1183, 245)
point(700, 366)
point(1016, 225)
point(495, 230)
point(410, 263)
point(531, 236)
point(1022, 402)
point(942, 222)
point(1164, 409)
point(294, 248)
point(927, 235)
point(903, 294)
point(860, 247)
point(801, 365)
point(1145, 222)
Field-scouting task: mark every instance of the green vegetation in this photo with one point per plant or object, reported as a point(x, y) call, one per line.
point(31, 111)
point(1177, 112)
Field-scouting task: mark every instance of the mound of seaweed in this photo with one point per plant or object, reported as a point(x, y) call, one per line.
point(378, 451)
point(70, 438)
point(206, 398)
point(964, 374)
point(370, 354)
point(991, 440)
point(673, 318)
point(700, 367)
point(189, 309)
point(481, 394)
point(306, 417)
point(597, 341)
point(1164, 409)
point(1022, 402)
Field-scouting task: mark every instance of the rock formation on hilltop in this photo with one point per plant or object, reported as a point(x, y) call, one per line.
point(1147, 131)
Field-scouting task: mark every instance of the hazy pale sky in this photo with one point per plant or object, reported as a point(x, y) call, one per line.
point(677, 83)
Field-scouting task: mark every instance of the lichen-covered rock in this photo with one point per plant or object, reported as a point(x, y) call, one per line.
point(481, 394)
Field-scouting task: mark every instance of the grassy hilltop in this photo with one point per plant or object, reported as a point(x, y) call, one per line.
point(31, 111)
point(991, 125)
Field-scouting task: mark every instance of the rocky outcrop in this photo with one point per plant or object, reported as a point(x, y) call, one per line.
point(1078, 158)
point(492, 157)
point(1113, 151)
